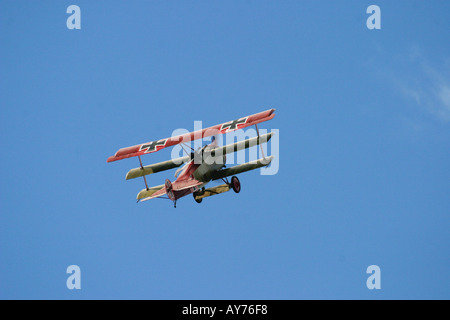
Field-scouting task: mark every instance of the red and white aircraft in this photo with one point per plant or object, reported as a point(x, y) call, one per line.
point(202, 166)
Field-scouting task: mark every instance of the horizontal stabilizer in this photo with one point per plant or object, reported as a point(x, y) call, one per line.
point(157, 167)
point(242, 168)
point(151, 191)
point(212, 191)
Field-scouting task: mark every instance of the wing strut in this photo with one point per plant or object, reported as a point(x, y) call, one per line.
point(262, 151)
point(142, 168)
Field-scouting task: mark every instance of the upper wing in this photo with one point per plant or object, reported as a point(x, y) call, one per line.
point(157, 145)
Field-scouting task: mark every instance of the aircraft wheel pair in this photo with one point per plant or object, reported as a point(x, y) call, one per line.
point(198, 193)
point(198, 200)
point(235, 184)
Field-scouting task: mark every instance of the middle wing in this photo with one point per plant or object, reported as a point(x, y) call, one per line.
point(157, 167)
point(170, 164)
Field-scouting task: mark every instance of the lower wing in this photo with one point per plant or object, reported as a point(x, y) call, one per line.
point(242, 168)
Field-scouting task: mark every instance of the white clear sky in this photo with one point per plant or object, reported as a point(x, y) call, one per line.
point(364, 122)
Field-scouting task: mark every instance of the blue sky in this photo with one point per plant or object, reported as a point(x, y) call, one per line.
point(364, 130)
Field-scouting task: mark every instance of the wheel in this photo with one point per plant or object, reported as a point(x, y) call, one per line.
point(197, 200)
point(235, 184)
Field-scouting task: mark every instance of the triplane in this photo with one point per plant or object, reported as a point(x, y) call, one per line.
point(202, 165)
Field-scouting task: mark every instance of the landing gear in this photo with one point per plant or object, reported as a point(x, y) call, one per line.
point(198, 200)
point(199, 193)
point(235, 184)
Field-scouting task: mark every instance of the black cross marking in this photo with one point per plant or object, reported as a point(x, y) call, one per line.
point(151, 147)
point(233, 124)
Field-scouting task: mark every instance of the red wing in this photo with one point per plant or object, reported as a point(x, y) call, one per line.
point(157, 145)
